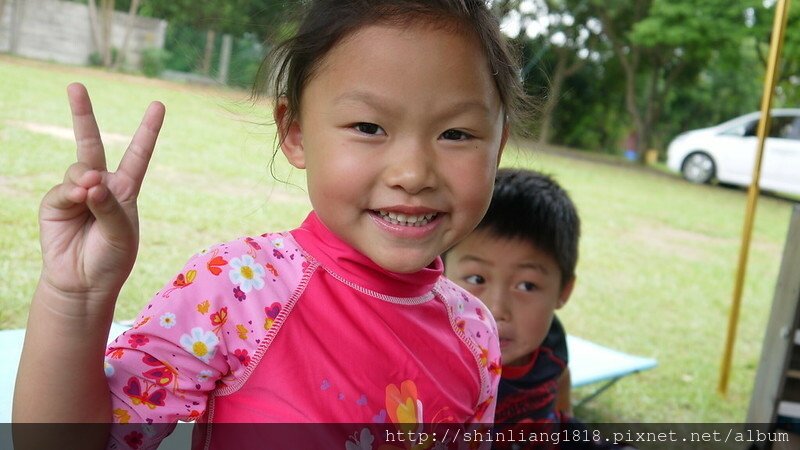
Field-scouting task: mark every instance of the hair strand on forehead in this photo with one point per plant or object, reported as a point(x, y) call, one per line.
point(289, 67)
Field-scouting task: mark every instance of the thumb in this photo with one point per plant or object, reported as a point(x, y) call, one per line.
point(112, 220)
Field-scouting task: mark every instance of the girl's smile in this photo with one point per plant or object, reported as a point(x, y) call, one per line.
point(411, 223)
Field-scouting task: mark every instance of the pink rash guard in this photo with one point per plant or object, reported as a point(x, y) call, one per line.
point(299, 328)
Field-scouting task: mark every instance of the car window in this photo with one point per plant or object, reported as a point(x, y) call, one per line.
point(751, 128)
point(737, 130)
point(783, 127)
point(789, 128)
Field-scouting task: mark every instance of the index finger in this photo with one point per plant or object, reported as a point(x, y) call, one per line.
point(136, 158)
point(84, 125)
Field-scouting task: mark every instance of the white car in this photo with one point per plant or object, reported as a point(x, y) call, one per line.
point(727, 152)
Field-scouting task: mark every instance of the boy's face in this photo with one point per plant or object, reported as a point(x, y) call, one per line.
point(520, 284)
point(400, 132)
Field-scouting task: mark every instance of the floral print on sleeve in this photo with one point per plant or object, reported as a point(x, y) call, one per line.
point(196, 335)
point(475, 325)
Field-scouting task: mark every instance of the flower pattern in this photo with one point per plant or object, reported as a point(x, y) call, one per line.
point(167, 320)
point(108, 368)
point(204, 375)
point(404, 406)
point(246, 273)
point(138, 340)
point(121, 416)
point(134, 439)
point(200, 343)
point(242, 356)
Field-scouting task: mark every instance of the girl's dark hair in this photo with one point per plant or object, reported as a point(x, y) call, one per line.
point(292, 64)
point(531, 206)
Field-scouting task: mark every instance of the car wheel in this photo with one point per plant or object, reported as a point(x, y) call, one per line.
point(698, 168)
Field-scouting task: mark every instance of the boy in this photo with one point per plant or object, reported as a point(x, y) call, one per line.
point(520, 261)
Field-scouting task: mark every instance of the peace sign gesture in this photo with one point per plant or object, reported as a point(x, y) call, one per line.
point(89, 225)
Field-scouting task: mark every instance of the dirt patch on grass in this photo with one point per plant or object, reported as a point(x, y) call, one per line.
point(273, 192)
point(6, 188)
point(29, 185)
point(667, 240)
point(65, 133)
point(690, 245)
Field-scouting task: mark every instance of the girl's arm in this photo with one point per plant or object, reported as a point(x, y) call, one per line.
point(89, 236)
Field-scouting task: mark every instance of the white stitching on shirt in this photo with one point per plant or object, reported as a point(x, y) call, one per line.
point(476, 353)
point(273, 331)
point(260, 351)
point(387, 298)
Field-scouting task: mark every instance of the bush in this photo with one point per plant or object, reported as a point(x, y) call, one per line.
point(154, 61)
point(96, 58)
point(246, 58)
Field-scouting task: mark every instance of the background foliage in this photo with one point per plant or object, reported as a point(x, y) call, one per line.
point(602, 70)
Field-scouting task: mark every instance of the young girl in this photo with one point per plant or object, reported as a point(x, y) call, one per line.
point(398, 111)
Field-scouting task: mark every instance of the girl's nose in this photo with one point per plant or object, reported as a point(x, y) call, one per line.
point(412, 167)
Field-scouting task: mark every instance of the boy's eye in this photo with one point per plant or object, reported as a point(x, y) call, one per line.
point(369, 128)
point(526, 286)
point(455, 135)
point(475, 279)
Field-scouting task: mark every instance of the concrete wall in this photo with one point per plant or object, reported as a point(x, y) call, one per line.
point(60, 31)
point(5, 25)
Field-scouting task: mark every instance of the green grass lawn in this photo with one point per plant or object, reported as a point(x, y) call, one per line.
point(658, 255)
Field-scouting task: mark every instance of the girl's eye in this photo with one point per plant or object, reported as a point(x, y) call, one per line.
point(455, 135)
point(526, 286)
point(369, 128)
point(475, 279)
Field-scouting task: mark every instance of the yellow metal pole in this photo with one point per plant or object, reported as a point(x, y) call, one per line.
point(776, 43)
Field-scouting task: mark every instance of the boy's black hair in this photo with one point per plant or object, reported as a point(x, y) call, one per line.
point(531, 206)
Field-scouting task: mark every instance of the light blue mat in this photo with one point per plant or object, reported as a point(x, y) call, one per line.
point(591, 363)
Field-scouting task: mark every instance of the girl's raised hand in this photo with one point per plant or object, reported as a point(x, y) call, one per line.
point(89, 225)
point(89, 230)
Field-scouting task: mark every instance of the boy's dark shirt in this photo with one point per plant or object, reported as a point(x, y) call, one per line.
point(527, 394)
point(526, 401)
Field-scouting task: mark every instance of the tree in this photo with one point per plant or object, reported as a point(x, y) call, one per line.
point(270, 20)
point(213, 16)
point(132, 11)
point(101, 23)
point(662, 44)
point(263, 18)
point(569, 36)
point(102, 26)
point(788, 82)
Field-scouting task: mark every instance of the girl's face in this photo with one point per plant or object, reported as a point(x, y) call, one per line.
point(400, 131)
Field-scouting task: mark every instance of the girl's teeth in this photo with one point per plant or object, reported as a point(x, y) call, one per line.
point(406, 219)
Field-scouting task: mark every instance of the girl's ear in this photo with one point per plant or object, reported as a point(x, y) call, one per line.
point(290, 135)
